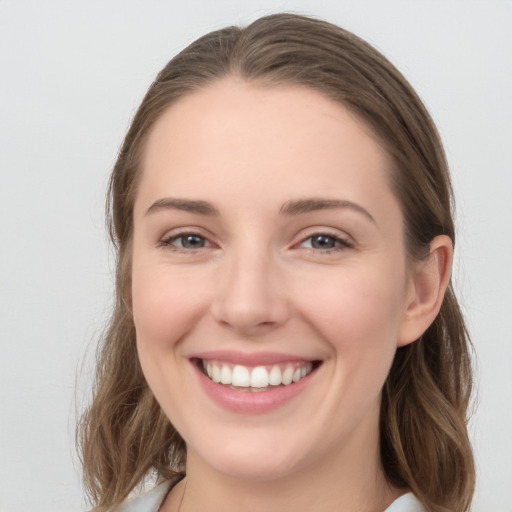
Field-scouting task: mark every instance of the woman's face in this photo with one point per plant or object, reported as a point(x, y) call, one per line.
point(268, 252)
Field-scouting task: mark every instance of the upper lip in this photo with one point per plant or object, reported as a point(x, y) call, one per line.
point(250, 359)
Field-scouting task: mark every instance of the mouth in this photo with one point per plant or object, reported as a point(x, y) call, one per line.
point(255, 379)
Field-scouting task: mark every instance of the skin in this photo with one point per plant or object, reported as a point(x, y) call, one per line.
point(259, 283)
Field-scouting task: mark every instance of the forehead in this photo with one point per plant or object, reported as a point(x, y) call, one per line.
point(251, 138)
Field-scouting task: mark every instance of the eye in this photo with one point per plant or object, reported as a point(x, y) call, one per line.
point(188, 241)
point(325, 242)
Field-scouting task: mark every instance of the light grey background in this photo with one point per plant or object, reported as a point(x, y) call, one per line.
point(72, 74)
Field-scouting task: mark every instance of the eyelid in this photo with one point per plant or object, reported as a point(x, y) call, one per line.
point(173, 234)
point(345, 240)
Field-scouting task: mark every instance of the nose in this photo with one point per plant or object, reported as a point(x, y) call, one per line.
point(251, 297)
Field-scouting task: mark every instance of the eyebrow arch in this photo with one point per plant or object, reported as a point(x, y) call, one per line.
point(301, 206)
point(187, 205)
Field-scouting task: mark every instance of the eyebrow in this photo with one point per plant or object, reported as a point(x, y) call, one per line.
point(301, 206)
point(187, 205)
point(295, 207)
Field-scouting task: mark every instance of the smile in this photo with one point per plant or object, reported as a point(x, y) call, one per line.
point(254, 383)
point(258, 378)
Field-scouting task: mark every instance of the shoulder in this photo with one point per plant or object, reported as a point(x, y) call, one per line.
point(152, 500)
point(147, 502)
point(406, 503)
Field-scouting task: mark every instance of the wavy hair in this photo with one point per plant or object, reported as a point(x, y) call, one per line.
point(124, 436)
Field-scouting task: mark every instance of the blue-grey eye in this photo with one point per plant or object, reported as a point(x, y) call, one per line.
point(185, 242)
point(323, 242)
point(191, 241)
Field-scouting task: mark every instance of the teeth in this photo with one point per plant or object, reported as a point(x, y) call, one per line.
point(215, 373)
point(225, 375)
point(241, 377)
point(275, 377)
point(287, 377)
point(258, 377)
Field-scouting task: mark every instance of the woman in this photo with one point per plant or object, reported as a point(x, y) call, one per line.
point(285, 332)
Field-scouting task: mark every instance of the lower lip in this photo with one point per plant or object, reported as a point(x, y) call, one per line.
point(249, 402)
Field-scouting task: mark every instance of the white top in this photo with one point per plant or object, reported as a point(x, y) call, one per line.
point(152, 501)
point(406, 503)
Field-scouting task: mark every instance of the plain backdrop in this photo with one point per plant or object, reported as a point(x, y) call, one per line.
point(71, 75)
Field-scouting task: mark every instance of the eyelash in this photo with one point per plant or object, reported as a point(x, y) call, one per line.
point(168, 242)
point(340, 244)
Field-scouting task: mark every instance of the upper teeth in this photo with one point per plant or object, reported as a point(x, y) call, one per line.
point(257, 377)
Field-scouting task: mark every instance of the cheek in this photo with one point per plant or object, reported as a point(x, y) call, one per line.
point(164, 307)
point(358, 311)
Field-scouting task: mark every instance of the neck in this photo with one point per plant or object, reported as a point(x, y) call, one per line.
point(342, 481)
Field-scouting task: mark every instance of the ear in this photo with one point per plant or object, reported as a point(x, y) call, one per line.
point(428, 282)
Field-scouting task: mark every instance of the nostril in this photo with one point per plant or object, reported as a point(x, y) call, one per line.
point(250, 298)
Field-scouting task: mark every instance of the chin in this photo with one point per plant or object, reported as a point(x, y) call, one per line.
point(251, 461)
point(255, 470)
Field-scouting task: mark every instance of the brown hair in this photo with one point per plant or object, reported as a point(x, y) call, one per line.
point(124, 436)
